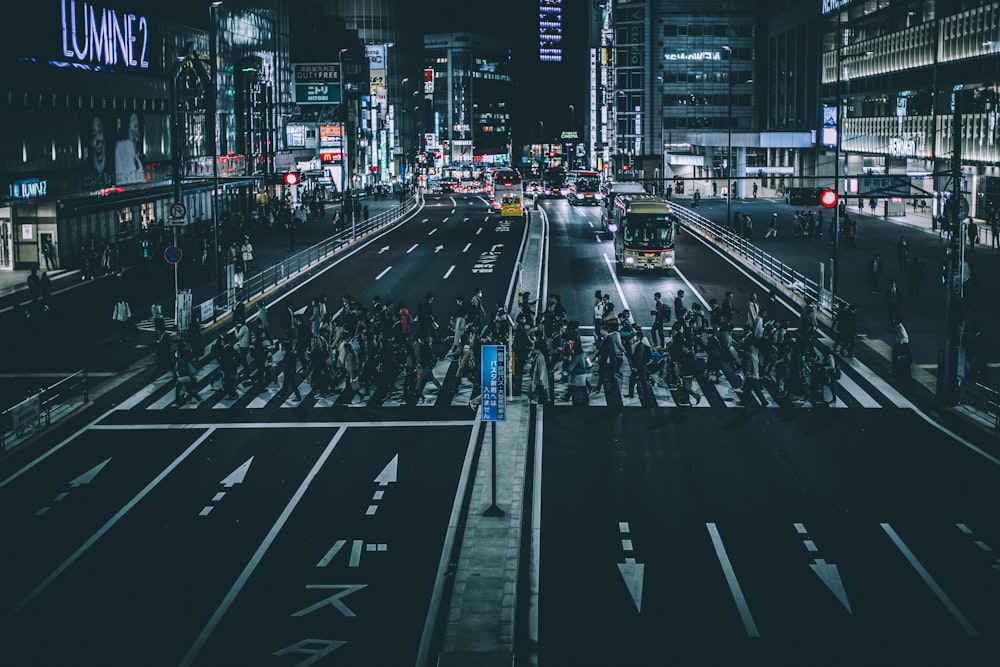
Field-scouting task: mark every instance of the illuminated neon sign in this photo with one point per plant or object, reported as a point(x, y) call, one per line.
point(97, 36)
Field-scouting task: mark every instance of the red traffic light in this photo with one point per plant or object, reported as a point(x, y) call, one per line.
point(828, 198)
point(291, 178)
point(624, 167)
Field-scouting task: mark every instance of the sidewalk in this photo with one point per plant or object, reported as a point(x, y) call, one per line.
point(77, 330)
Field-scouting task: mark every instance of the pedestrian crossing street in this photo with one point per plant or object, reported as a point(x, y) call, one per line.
point(858, 388)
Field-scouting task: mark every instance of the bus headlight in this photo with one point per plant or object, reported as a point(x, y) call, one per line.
point(612, 227)
point(579, 195)
point(630, 260)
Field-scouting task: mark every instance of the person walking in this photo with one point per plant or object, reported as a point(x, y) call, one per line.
point(972, 233)
point(772, 224)
point(289, 363)
point(540, 386)
point(874, 273)
point(122, 315)
point(34, 287)
point(894, 304)
point(753, 313)
point(426, 361)
point(246, 253)
point(45, 288)
point(902, 253)
point(661, 314)
point(687, 368)
point(185, 384)
point(642, 353)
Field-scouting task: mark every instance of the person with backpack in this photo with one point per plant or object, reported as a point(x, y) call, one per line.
point(661, 315)
point(184, 370)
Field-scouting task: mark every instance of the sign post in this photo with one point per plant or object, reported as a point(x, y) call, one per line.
point(493, 405)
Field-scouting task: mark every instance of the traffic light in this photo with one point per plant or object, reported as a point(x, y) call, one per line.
point(624, 167)
point(292, 178)
point(828, 198)
point(552, 153)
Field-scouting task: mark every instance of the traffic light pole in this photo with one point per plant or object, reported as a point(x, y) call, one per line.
point(954, 357)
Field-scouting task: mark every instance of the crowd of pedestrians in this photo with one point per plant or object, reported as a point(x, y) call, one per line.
point(382, 349)
point(684, 348)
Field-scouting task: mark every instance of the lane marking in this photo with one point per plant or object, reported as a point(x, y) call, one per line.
point(478, 231)
point(412, 248)
point(432, 231)
point(445, 219)
point(258, 555)
point(929, 580)
point(734, 585)
point(448, 272)
point(618, 285)
point(105, 528)
point(384, 271)
point(466, 248)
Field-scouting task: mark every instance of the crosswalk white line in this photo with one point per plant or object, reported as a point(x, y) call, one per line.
point(147, 391)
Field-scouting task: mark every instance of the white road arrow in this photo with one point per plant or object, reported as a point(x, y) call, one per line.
point(439, 248)
point(828, 574)
point(388, 474)
point(237, 476)
point(384, 249)
point(632, 574)
point(496, 246)
point(88, 477)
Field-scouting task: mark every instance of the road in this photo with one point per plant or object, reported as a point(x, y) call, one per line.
point(712, 539)
point(259, 531)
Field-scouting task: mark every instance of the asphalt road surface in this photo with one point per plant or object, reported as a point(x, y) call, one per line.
point(228, 545)
point(812, 538)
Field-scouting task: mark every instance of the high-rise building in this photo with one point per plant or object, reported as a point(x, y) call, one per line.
point(898, 70)
point(470, 103)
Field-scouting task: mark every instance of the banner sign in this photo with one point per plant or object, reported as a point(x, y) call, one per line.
point(493, 369)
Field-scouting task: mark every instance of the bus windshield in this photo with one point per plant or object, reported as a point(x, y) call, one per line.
point(649, 228)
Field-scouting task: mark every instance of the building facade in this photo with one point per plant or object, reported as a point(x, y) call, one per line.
point(101, 98)
point(469, 108)
point(898, 68)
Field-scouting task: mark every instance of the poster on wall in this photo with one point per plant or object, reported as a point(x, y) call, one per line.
point(98, 160)
point(112, 149)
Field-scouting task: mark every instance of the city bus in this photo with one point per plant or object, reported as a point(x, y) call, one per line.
point(644, 229)
point(586, 189)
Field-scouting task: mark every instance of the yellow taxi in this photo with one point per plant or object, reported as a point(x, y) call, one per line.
point(511, 206)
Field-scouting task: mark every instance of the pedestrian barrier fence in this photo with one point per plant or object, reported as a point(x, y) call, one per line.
point(39, 410)
point(802, 289)
point(792, 283)
point(982, 399)
point(259, 284)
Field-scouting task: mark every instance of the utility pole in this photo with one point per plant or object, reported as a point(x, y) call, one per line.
point(954, 355)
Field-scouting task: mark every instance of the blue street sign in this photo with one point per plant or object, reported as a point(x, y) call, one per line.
point(172, 254)
point(493, 371)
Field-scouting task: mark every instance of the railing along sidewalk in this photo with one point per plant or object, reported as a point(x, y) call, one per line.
point(40, 410)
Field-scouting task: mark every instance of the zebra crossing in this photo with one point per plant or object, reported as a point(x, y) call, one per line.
point(857, 388)
point(160, 394)
point(718, 391)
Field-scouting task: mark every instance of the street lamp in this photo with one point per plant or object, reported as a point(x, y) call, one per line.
point(729, 149)
point(213, 55)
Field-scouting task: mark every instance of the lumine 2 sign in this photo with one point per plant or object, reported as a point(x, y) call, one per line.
point(97, 36)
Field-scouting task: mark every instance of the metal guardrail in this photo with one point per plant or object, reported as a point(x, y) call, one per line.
point(259, 284)
point(38, 411)
point(801, 289)
point(793, 284)
point(982, 399)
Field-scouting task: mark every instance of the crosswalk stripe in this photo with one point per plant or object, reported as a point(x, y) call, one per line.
point(159, 393)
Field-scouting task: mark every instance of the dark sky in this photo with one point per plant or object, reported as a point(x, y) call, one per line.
point(544, 90)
